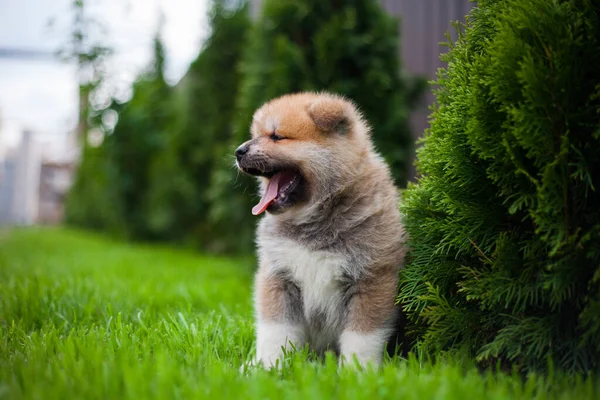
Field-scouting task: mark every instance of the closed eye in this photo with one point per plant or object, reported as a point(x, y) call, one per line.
point(275, 137)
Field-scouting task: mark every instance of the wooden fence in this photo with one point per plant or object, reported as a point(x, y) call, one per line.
point(423, 25)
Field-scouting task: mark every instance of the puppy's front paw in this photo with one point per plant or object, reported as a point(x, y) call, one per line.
point(270, 360)
point(352, 362)
point(274, 341)
point(362, 349)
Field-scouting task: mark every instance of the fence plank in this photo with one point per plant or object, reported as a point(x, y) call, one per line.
point(423, 25)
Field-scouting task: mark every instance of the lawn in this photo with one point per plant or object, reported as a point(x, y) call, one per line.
point(85, 317)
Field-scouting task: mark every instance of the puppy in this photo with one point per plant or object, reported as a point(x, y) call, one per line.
point(331, 243)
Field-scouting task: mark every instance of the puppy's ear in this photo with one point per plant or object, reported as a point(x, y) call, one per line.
point(331, 114)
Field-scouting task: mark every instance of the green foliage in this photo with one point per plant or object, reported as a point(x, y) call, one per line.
point(82, 317)
point(83, 48)
point(92, 201)
point(182, 174)
point(348, 47)
point(504, 222)
point(139, 136)
point(112, 182)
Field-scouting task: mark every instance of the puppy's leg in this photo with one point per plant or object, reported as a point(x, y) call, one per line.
point(279, 317)
point(371, 317)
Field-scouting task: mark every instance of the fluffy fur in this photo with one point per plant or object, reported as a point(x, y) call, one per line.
point(330, 250)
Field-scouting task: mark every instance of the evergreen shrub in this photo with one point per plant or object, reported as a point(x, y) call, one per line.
point(504, 220)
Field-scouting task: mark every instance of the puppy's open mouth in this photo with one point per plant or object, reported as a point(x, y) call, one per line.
point(280, 192)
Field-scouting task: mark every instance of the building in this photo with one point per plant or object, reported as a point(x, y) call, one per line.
point(32, 188)
point(7, 188)
point(25, 188)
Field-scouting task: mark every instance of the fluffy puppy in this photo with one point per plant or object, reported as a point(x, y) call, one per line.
point(331, 243)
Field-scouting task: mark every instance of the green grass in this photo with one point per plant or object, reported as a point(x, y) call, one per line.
point(85, 317)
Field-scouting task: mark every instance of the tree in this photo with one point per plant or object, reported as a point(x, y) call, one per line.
point(111, 187)
point(139, 136)
point(349, 47)
point(85, 49)
point(92, 201)
point(87, 203)
point(504, 223)
point(181, 175)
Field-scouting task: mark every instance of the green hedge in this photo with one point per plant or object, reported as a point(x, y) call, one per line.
point(504, 222)
point(182, 174)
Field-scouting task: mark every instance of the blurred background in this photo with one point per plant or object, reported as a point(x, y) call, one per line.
point(122, 115)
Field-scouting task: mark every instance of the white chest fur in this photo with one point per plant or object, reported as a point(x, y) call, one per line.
point(318, 275)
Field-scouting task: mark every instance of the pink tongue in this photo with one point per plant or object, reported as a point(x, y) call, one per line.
point(269, 195)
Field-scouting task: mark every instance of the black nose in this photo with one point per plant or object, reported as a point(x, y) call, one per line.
point(240, 151)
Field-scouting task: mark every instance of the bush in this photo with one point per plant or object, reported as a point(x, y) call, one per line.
point(182, 174)
point(348, 47)
point(139, 137)
point(504, 222)
point(90, 202)
point(111, 187)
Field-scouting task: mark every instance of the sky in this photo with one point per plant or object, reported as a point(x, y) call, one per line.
point(40, 94)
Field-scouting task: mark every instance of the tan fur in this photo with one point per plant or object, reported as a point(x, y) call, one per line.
point(374, 301)
point(269, 296)
point(329, 113)
point(329, 262)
